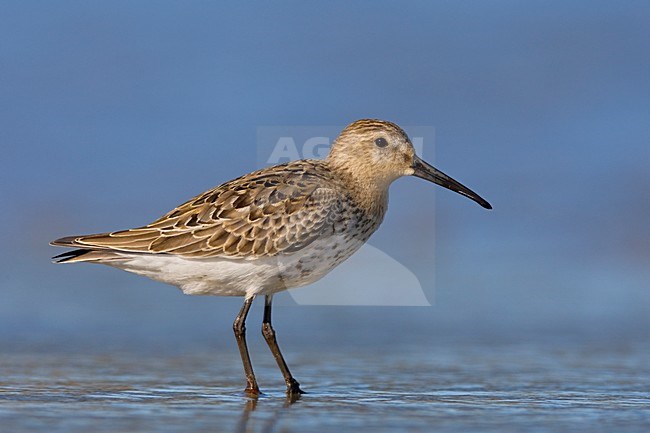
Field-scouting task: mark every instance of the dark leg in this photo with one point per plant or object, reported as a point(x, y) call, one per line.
point(240, 334)
point(293, 387)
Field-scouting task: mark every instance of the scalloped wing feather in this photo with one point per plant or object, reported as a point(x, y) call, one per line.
point(277, 210)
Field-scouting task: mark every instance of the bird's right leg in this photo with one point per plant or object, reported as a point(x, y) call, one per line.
point(293, 387)
point(239, 326)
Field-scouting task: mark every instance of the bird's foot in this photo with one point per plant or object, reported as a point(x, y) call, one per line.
point(293, 388)
point(252, 391)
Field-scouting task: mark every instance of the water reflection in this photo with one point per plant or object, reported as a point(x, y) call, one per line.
point(246, 426)
point(249, 406)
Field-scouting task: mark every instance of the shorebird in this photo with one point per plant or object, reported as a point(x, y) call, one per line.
point(274, 229)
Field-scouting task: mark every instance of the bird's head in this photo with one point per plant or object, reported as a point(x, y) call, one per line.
point(377, 152)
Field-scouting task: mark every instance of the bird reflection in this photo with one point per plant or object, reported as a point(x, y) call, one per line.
point(246, 426)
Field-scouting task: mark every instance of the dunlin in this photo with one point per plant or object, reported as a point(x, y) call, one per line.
point(274, 229)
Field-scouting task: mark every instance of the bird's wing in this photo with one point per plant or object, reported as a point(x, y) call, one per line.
point(269, 212)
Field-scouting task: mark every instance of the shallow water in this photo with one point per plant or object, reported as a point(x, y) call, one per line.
point(456, 388)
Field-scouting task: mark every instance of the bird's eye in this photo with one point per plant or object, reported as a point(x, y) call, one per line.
point(381, 142)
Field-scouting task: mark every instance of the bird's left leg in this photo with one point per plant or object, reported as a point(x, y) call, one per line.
point(293, 387)
point(239, 326)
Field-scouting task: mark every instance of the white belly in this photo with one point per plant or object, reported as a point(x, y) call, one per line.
point(243, 277)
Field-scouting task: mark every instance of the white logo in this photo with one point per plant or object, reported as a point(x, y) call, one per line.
point(286, 149)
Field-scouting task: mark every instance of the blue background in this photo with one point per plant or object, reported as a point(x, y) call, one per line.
point(112, 113)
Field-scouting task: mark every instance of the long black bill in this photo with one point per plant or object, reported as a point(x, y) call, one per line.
point(430, 173)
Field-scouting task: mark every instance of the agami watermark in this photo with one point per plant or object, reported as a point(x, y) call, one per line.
point(370, 276)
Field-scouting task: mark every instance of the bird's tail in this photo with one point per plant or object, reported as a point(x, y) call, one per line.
point(84, 254)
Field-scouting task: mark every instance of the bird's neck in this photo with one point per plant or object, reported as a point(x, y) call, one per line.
point(369, 193)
